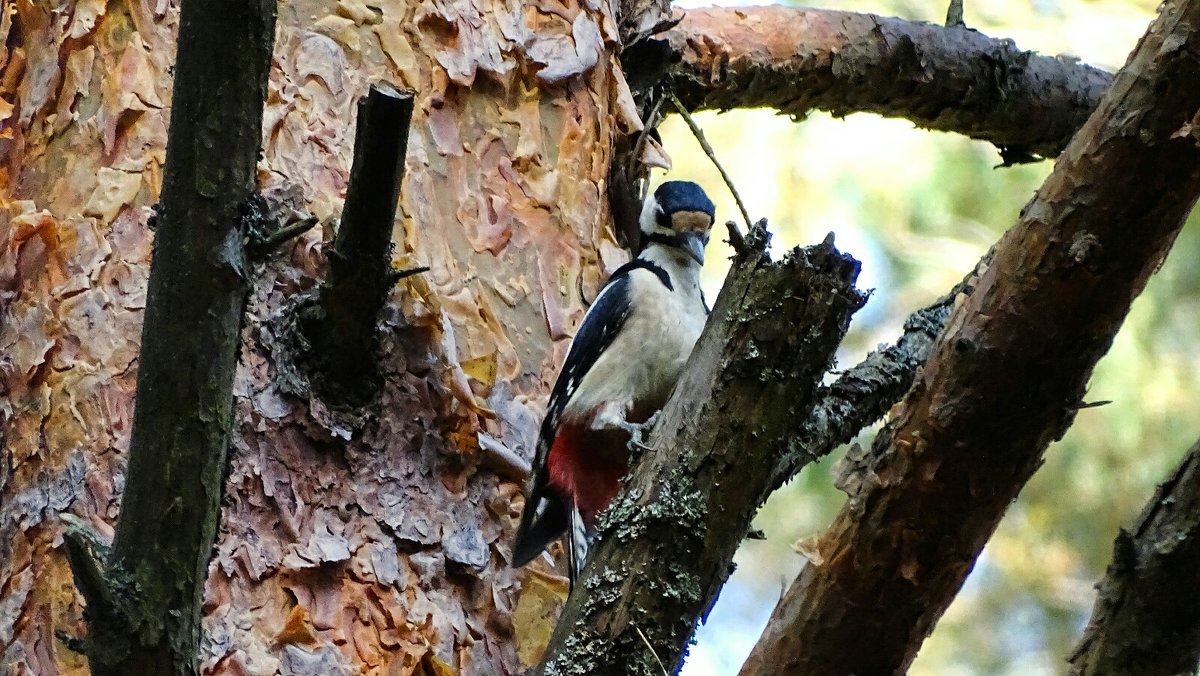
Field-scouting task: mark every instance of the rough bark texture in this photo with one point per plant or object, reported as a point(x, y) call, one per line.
point(386, 552)
point(640, 18)
point(383, 550)
point(1007, 376)
point(1146, 621)
point(149, 621)
point(950, 79)
point(360, 261)
point(667, 541)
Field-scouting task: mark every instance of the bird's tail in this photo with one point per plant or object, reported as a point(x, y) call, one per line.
point(545, 518)
point(579, 541)
point(543, 524)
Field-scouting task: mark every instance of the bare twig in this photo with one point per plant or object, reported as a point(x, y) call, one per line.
point(501, 459)
point(651, 649)
point(647, 126)
point(398, 275)
point(712, 154)
point(287, 232)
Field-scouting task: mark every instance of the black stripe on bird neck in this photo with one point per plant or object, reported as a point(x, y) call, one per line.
point(659, 238)
point(642, 263)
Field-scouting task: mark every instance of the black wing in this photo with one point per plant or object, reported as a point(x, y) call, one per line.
point(546, 515)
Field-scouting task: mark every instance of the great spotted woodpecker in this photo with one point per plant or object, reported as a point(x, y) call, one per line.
point(622, 365)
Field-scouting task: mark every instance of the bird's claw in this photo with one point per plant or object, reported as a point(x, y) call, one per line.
point(638, 432)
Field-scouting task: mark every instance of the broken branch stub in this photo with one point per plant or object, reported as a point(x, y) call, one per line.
point(341, 328)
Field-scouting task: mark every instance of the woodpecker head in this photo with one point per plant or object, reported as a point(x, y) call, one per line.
point(680, 215)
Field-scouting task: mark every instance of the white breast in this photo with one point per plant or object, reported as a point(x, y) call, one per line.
point(644, 361)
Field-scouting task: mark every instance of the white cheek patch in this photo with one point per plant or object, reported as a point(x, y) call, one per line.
point(649, 218)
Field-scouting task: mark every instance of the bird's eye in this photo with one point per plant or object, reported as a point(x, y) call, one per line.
point(662, 218)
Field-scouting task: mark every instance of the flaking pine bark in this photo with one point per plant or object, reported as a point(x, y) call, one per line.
point(377, 543)
point(342, 549)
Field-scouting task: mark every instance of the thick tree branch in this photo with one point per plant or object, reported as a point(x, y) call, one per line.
point(154, 575)
point(1146, 619)
point(360, 271)
point(1006, 378)
point(667, 541)
point(950, 79)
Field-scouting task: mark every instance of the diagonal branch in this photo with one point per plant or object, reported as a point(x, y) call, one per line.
point(1146, 619)
point(668, 540)
point(1006, 378)
point(864, 393)
point(950, 79)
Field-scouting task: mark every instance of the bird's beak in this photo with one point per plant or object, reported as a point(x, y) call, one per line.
point(693, 244)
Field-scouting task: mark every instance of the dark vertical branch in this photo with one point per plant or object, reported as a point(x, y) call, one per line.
point(1147, 619)
point(154, 575)
point(360, 275)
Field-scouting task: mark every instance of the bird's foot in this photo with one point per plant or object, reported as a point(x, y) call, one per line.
point(639, 433)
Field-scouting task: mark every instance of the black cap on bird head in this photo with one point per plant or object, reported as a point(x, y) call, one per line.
point(678, 214)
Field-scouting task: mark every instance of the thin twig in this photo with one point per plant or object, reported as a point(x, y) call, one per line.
point(287, 232)
point(398, 275)
point(648, 125)
point(651, 648)
point(712, 155)
point(502, 459)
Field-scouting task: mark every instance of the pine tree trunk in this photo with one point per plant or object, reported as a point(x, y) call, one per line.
point(348, 542)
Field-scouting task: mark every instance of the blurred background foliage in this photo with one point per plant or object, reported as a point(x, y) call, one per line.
point(919, 209)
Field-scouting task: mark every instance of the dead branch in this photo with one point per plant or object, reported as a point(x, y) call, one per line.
point(144, 594)
point(360, 275)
